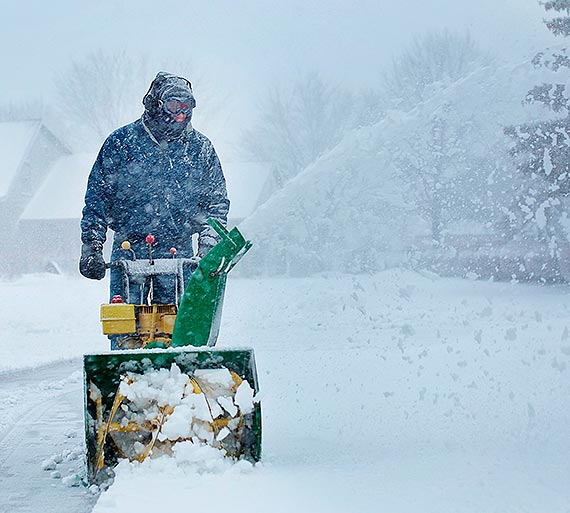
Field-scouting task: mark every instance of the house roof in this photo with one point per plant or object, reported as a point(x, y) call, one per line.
point(62, 194)
point(15, 140)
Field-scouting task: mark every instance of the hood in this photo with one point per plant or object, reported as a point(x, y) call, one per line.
point(160, 123)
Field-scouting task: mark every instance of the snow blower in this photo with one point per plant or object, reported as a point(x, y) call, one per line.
point(169, 386)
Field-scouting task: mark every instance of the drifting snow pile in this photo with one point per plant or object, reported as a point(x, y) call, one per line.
point(361, 206)
point(205, 408)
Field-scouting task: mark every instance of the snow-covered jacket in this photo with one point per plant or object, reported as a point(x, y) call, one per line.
point(139, 186)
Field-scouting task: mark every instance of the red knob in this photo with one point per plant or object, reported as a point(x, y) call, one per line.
point(173, 251)
point(150, 239)
point(117, 299)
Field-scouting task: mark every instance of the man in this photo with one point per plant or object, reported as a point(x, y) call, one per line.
point(159, 176)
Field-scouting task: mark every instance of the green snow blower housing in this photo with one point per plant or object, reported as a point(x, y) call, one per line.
point(169, 386)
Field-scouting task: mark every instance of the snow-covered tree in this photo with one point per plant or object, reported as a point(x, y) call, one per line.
point(541, 149)
point(559, 25)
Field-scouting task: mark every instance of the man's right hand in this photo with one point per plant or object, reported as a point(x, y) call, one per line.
point(92, 263)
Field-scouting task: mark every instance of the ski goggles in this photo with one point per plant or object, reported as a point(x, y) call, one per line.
point(176, 107)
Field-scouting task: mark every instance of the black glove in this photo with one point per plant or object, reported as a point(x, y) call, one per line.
point(205, 243)
point(92, 264)
point(203, 250)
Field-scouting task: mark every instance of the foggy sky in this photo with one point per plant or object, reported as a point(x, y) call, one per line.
point(247, 43)
point(243, 47)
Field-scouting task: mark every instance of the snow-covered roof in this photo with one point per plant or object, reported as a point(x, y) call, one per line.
point(244, 181)
point(62, 194)
point(15, 140)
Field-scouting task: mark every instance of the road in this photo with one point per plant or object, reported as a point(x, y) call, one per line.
point(41, 421)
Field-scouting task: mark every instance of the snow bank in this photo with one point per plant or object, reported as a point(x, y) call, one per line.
point(48, 317)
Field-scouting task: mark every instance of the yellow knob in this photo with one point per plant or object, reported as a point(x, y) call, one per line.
point(126, 245)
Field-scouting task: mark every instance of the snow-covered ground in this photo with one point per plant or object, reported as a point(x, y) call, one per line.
point(397, 392)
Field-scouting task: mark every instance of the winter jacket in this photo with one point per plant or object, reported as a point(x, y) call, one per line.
point(139, 186)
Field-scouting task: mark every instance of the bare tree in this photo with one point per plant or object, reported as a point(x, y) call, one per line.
point(101, 92)
point(104, 91)
point(435, 158)
point(434, 58)
point(298, 124)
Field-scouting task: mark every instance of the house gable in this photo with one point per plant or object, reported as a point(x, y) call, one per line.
point(16, 139)
point(27, 152)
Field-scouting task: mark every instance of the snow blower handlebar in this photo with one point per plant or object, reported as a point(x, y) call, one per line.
point(144, 270)
point(199, 301)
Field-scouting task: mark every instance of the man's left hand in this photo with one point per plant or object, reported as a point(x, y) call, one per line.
point(203, 250)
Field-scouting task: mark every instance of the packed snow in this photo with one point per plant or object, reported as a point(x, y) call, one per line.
point(397, 391)
point(184, 407)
